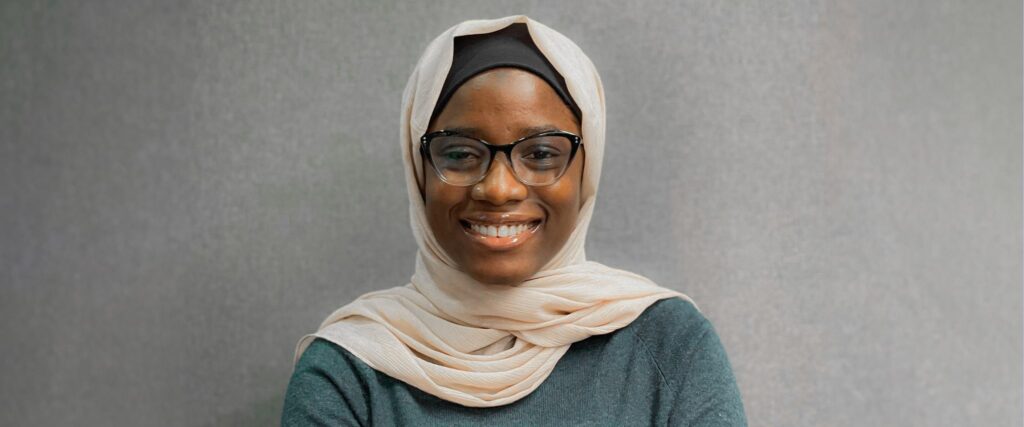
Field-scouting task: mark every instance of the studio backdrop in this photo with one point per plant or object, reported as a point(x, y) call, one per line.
point(186, 188)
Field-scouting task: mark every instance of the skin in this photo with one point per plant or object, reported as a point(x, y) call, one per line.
point(501, 105)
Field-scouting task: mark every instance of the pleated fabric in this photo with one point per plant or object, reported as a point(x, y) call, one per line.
point(476, 344)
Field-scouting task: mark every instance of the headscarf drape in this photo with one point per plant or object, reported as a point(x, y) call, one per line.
point(477, 344)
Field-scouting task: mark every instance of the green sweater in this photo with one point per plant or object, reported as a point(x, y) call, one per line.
point(666, 368)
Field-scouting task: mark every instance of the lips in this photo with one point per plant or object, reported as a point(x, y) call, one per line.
point(499, 217)
point(500, 231)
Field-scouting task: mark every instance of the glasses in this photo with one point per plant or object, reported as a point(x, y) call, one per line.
point(537, 160)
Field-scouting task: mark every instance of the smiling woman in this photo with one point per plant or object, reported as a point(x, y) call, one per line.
point(505, 321)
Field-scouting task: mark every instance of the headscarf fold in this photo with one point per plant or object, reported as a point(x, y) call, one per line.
point(477, 344)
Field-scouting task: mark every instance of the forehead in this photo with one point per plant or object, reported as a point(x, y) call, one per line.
point(506, 98)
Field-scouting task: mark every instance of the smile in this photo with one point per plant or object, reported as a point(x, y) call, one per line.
point(500, 236)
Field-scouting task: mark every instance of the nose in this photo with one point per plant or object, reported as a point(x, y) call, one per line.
point(500, 185)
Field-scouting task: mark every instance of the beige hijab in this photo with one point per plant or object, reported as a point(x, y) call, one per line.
point(484, 345)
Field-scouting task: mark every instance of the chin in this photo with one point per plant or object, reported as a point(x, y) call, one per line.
point(497, 269)
point(496, 275)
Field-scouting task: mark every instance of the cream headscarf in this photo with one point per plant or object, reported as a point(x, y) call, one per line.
point(486, 345)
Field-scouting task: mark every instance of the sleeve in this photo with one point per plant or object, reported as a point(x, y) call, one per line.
point(707, 395)
point(324, 390)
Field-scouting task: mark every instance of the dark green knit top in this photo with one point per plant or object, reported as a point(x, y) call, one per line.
point(667, 367)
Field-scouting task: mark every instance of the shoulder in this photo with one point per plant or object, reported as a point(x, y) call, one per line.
point(692, 362)
point(328, 386)
point(671, 322)
point(674, 334)
point(326, 359)
point(323, 353)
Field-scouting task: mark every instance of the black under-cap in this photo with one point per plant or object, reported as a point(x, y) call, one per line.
point(511, 46)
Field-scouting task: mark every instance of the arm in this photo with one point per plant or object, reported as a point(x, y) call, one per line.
point(317, 394)
point(708, 395)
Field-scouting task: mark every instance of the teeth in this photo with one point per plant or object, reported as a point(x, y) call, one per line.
point(506, 230)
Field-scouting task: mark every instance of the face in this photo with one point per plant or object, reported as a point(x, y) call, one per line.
point(500, 106)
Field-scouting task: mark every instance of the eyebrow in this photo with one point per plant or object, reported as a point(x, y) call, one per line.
point(526, 131)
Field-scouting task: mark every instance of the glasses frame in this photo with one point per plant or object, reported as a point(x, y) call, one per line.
point(493, 149)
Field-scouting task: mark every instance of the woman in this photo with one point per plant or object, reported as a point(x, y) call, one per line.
point(504, 320)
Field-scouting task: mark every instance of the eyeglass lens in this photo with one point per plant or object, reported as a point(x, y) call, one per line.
point(540, 160)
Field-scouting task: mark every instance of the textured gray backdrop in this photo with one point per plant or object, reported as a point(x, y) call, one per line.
point(186, 189)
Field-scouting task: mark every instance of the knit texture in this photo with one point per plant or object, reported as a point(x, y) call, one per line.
point(668, 367)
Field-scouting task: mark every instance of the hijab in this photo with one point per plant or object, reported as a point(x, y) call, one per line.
point(477, 344)
point(508, 47)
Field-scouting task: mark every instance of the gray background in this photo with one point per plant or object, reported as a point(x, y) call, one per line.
point(188, 188)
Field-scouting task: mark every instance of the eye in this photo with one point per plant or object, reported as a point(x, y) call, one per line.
point(458, 155)
point(540, 153)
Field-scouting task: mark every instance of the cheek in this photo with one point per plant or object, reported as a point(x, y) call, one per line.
point(441, 200)
point(564, 200)
point(571, 188)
